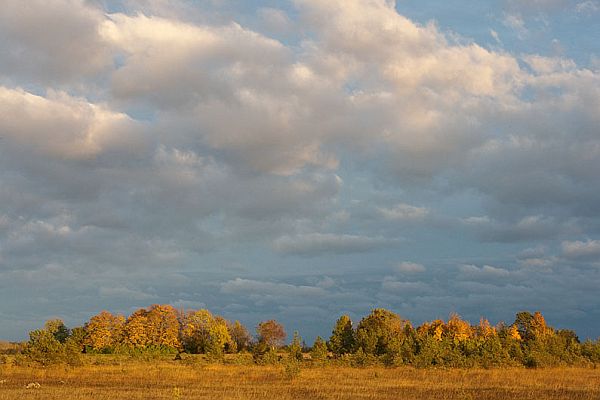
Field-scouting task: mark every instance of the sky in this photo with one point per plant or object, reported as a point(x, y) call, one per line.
point(300, 159)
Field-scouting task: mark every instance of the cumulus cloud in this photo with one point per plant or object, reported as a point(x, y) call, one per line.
point(65, 127)
point(164, 142)
point(486, 272)
point(56, 41)
point(410, 267)
point(575, 250)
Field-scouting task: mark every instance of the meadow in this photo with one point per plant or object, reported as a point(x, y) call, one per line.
point(167, 379)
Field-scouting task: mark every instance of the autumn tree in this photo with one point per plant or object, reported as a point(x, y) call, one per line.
point(104, 331)
point(204, 333)
point(240, 335)
point(532, 326)
point(458, 330)
point(342, 337)
point(434, 329)
point(271, 333)
point(163, 326)
point(136, 329)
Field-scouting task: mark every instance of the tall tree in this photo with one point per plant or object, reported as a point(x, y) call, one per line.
point(204, 333)
point(342, 338)
point(271, 333)
point(319, 350)
point(136, 329)
point(57, 328)
point(163, 326)
point(104, 331)
point(381, 332)
point(240, 335)
point(296, 347)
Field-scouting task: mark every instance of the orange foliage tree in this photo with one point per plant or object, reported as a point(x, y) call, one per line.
point(104, 331)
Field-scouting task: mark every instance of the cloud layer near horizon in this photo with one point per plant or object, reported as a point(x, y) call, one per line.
point(294, 163)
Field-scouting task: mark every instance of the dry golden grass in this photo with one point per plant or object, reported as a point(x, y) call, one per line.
point(170, 380)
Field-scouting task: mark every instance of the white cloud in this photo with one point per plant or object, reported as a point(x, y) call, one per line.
point(55, 41)
point(517, 24)
point(131, 144)
point(549, 65)
point(587, 7)
point(65, 127)
point(485, 272)
point(410, 267)
point(589, 249)
point(495, 35)
point(275, 20)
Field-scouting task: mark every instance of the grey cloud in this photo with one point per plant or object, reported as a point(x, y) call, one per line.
point(314, 244)
point(262, 289)
point(403, 212)
point(157, 148)
point(487, 272)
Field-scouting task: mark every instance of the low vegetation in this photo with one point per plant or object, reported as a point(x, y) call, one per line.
point(166, 379)
point(380, 338)
point(162, 353)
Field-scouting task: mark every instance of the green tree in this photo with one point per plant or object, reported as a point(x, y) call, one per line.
point(532, 326)
point(342, 339)
point(319, 350)
point(57, 328)
point(44, 348)
point(381, 333)
point(295, 348)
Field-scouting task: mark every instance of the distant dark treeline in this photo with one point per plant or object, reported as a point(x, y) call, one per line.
point(380, 337)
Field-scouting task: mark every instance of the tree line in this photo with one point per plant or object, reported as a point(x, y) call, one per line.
point(380, 337)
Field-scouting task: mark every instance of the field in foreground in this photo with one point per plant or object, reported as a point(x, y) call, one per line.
point(168, 380)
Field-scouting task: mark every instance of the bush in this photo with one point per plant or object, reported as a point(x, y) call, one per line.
point(263, 354)
point(591, 350)
point(318, 353)
point(362, 359)
point(291, 368)
point(43, 348)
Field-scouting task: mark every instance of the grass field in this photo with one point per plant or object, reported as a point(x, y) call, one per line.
point(170, 380)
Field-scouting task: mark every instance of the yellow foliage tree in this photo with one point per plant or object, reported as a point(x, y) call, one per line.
point(433, 328)
point(204, 333)
point(163, 326)
point(458, 330)
point(157, 326)
point(104, 331)
point(136, 329)
point(513, 332)
point(485, 330)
